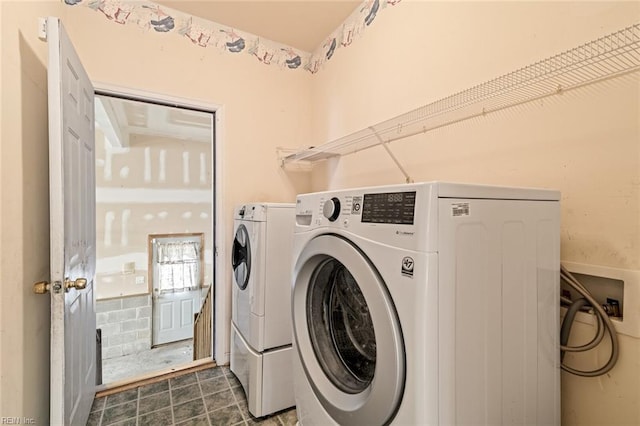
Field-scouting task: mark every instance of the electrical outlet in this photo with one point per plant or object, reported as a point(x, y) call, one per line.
point(140, 279)
point(42, 29)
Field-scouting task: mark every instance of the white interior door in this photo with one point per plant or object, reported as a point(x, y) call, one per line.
point(173, 315)
point(72, 210)
point(176, 297)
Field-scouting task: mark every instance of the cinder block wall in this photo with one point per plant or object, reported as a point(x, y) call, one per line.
point(125, 325)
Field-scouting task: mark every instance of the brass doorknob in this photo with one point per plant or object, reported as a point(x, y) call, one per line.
point(41, 287)
point(78, 284)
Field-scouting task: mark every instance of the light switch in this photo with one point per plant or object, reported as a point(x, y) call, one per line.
point(140, 279)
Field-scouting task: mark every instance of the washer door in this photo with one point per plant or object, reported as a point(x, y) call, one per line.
point(347, 333)
point(241, 257)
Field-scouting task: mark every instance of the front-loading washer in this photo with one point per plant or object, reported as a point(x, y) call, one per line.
point(429, 303)
point(261, 335)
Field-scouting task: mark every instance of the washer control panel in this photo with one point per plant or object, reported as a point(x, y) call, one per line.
point(396, 208)
point(391, 208)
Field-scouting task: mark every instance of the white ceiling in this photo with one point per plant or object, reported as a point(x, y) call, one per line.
point(303, 24)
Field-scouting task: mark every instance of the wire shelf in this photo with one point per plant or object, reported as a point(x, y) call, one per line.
point(607, 57)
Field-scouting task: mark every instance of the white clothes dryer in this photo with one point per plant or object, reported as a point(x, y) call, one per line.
point(261, 262)
point(431, 303)
point(261, 334)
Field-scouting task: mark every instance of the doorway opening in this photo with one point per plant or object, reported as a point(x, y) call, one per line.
point(155, 216)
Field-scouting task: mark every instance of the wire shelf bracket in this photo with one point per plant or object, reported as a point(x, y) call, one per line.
point(607, 57)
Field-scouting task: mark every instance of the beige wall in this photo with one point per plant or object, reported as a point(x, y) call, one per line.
point(24, 221)
point(263, 107)
point(584, 143)
point(420, 52)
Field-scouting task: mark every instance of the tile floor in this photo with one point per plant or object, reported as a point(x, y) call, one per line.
point(207, 397)
point(155, 359)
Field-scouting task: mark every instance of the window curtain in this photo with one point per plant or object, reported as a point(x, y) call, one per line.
point(178, 266)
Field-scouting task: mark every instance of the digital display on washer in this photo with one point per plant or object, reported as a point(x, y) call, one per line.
point(389, 207)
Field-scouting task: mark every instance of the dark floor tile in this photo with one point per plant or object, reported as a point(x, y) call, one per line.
point(271, 420)
point(215, 401)
point(154, 403)
point(244, 410)
point(118, 413)
point(94, 418)
point(289, 417)
point(225, 416)
point(242, 403)
point(214, 385)
point(264, 421)
point(197, 421)
point(210, 373)
point(188, 410)
point(153, 388)
point(98, 403)
point(120, 397)
point(184, 380)
point(129, 422)
point(157, 418)
point(233, 380)
point(186, 393)
point(239, 394)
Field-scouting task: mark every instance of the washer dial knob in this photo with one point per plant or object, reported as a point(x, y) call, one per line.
point(331, 209)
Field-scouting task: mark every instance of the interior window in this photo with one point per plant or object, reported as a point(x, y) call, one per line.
point(178, 263)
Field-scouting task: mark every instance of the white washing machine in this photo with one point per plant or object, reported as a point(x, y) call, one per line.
point(428, 303)
point(261, 335)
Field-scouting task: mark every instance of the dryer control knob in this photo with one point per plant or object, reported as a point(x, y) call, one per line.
point(331, 209)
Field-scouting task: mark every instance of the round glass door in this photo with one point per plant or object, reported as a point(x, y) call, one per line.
point(347, 333)
point(241, 257)
point(340, 327)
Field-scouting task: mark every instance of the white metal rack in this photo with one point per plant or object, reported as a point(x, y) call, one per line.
point(610, 56)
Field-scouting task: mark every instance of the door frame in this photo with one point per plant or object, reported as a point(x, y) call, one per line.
point(221, 294)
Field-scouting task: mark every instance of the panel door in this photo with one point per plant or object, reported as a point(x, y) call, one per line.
point(72, 235)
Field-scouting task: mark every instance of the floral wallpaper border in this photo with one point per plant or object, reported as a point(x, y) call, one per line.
point(153, 17)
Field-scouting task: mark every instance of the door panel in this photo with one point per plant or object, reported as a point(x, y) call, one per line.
point(166, 316)
point(186, 313)
point(173, 316)
point(72, 231)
